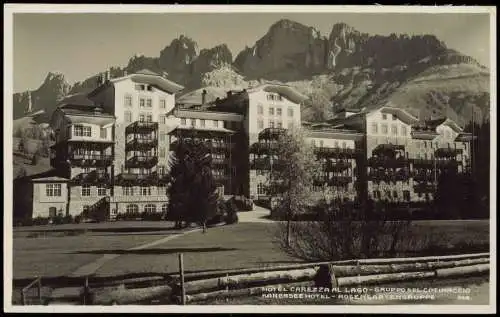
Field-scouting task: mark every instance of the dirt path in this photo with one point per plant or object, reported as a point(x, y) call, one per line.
point(92, 267)
point(258, 214)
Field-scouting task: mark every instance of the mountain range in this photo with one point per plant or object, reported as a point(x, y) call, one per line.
point(346, 69)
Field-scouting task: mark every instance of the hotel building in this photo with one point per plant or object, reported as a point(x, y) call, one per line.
point(113, 146)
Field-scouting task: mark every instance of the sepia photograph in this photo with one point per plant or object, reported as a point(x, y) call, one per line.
point(225, 158)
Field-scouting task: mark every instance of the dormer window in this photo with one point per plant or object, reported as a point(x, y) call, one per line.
point(384, 116)
point(394, 117)
point(149, 88)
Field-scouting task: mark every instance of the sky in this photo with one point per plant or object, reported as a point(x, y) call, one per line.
point(80, 45)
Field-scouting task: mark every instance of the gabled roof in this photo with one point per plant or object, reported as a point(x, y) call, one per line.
point(433, 124)
point(195, 97)
point(402, 114)
point(80, 99)
point(144, 76)
point(285, 90)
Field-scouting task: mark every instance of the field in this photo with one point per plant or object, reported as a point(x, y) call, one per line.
point(62, 250)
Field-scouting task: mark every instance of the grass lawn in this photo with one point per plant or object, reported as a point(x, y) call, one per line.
point(59, 250)
point(253, 245)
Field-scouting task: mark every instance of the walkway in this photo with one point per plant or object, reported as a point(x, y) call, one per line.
point(92, 267)
point(259, 214)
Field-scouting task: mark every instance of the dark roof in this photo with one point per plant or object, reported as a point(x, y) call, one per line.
point(146, 71)
point(434, 123)
point(79, 99)
point(194, 97)
point(46, 174)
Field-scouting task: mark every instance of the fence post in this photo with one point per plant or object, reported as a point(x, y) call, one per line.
point(39, 284)
point(23, 297)
point(181, 273)
point(85, 290)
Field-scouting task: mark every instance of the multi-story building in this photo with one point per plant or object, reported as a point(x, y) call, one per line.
point(113, 146)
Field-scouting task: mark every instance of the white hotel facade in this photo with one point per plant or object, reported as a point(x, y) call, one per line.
point(112, 146)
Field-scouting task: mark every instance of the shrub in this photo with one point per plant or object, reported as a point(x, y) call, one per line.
point(34, 160)
point(38, 221)
point(231, 218)
point(231, 212)
point(242, 203)
point(151, 216)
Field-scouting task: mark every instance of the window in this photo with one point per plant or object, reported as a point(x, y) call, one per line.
point(83, 131)
point(85, 190)
point(128, 101)
point(149, 88)
point(139, 87)
point(384, 128)
point(52, 190)
point(260, 109)
point(313, 142)
point(395, 194)
point(150, 208)
point(403, 131)
point(394, 117)
point(261, 189)
point(149, 118)
point(271, 111)
point(162, 190)
point(290, 124)
point(101, 190)
point(132, 209)
point(142, 102)
point(384, 116)
point(202, 123)
point(260, 124)
point(183, 121)
point(271, 123)
point(278, 111)
point(280, 124)
point(336, 144)
point(216, 124)
point(163, 104)
point(104, 133)
point(149, 103)
point(164, 208)
point(321, 143)
point(394, 129)
point(193, 122)
point(86, 170)
point(374, 127)
point(290, 112)
point(128, 191)
point(145, 191)
point(163, 119)
point(128, 116)
point(162, 152)
point(141, 118)
point(406, 195)
point(344, 145)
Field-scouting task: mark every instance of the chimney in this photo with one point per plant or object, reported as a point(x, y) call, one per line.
point(30, 106)
point(124, 73)
point(99, 79)
point(108, 74)
point(203, 97)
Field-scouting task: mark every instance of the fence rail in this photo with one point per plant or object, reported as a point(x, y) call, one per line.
point(35, 284)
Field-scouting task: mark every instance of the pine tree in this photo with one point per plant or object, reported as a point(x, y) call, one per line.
point(192, 193)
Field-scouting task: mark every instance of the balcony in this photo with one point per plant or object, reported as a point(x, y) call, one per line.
point(338, 166)
point(138, 161)
point(141, 127)
point(387, 149)
point(447, 164)
point(139, 179)
point(388, 162)
point(327, 152)
point(94, 177)
point(378, 176)
point(141, 144)
point(340, 180)
point(447, 152)
point(424, 188)
point(91, 159)
point(271, 133)
point(422, 163)
point(423, 177)
point(219, 161)
point(263, 148)
point(219, 147)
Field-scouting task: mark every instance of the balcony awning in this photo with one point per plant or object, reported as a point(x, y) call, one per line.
point(184, 129)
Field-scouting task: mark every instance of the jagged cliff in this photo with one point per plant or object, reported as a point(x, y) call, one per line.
point(347, 68)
